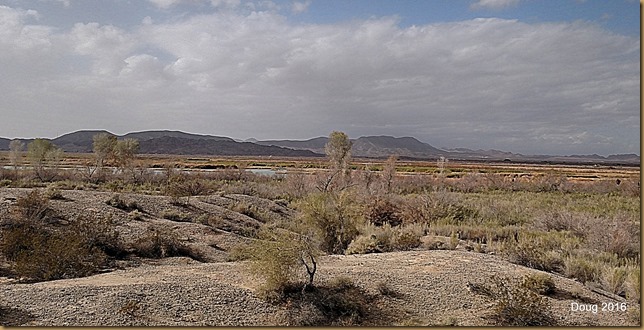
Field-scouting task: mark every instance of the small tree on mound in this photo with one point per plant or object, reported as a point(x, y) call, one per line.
point(277, 256)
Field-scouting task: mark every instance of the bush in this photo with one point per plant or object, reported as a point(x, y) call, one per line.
point(539, 283)
point(186, 185)
point(334, 217)
point(118, 202)
point(613, 279)
point(438, 207)
point(33, 206)
point(633, 285)
point(176, 216)
point(582, 269)
point(515, 304)
point(387, 290)
point(159, 244)
point(54, 193)
point(41, 254)
point(338, 303)
point(383, 211)
point(542, 251)
point(136, 215)
point(277, 256)
point(374, 239)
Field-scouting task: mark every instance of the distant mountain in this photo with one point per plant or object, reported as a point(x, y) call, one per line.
point(4, 144)
point(80, 141)
point(182, 146)
point(149, 135)
point(384, 146)
point(368, 146)
point(624, 157)
point(181, 143)
point(171, 142)
point(316, 144)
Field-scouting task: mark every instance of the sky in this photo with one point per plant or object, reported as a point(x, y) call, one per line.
point(555, 77)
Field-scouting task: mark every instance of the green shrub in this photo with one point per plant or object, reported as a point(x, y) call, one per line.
point(386, 289)
point(118, 202)
point(633, 284)
point(54, 193)
point(542, 251)
point(159, 243)
point(364, 245)
point(41, 254)
point(437, 207)
point(374, 239)
point(334, 217)
point(582, 269)
point(136, 215)
point(33, 206)
point(539, 283)
point(613, 279)
point(186, 185)
point(277, 256)
point(516, 305)
point(176, 216)
point(408, 237)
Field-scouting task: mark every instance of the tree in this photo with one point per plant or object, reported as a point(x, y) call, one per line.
point(43, 154)
point(15, 151)
point(278, 254)
point(125, 151)
point(104, 145)
point(338, 151)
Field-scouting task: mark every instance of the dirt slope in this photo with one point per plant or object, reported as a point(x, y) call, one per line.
point(433, 287)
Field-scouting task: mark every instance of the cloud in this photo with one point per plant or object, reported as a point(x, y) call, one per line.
point(165, 4)
point(493, 4)
point(481, 83)
point(300, 7)
point(65, 3)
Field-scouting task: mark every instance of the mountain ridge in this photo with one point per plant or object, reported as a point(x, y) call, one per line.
point(376, 146)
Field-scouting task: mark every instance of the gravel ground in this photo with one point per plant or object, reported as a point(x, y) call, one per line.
point(432, 287)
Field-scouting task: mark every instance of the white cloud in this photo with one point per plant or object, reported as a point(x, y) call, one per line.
point(482, 83)
point(225, 3)
point(165, 4)
point(106, 44)
point(300, 6)
point(493, 4)
point(65, 3)
point(16, 35)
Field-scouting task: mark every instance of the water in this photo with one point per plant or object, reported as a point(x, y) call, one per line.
point(259, 171)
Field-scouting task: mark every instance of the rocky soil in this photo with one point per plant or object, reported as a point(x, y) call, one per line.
point(431, 287)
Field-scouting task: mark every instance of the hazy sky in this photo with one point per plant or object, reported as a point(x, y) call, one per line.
point(527, 76)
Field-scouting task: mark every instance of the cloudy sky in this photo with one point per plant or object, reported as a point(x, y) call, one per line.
point(527, 76)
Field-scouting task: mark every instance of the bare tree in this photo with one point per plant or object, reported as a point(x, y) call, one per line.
point(389, 172)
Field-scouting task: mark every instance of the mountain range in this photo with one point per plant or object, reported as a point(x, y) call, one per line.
point(181, 143)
